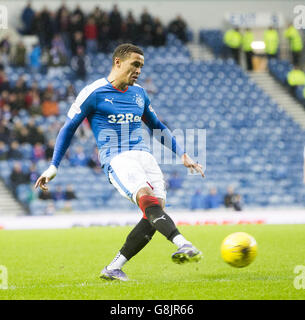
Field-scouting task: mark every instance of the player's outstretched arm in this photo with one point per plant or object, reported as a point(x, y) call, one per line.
point(80, 109)
point(46, 176)
point(190, 163)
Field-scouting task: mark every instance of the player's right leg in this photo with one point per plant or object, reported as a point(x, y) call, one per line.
point(162, 222)
point(156, 214)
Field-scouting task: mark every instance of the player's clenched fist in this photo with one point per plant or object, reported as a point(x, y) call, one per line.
point(47, 176)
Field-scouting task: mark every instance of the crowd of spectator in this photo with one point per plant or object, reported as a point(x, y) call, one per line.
point(58, 194)
point(214, 200)
point(36, 101)
point(22, 176)
point(21, 140)
point(66, 36)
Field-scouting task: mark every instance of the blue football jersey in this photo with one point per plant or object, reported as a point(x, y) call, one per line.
point(115, 118)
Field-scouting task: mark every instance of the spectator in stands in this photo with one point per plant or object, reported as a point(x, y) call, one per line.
point(247, 39)
point(145, 28)
point(50, 92)
point(147, 36)
point(77, 20)
point(5, 133)
point(212, 200)
point(124, 32)
point(35, 58)
point(295, 43)
point(3, 151)
point(91, 35)
point(27, 17)
point(45, 195)
point(97, 14)
point(178, 27)
point(34, 133)
point(63, 24)
point(70, 94)
point(159, 36)
point(197, 200)
point(115, 23)
point(79, 158)
point(5, 49)
point(56, 58)
point(43, 27)
point(233, 40)
point(59, 46)
point(33, 173)
point(295, 77)
point(49, 107)
point(23, 135)
point(14, 152)
point(5, 113)
point(38, 152)
point(44, 60)
point(32, 101)
point(18, 177)
point(58, 194)
point(78, 10)
point(271, 39)
point(19, 57)
point(20, 85)
point(232, 199)
point(15, 103)
point(4, 84)
point(60, 15)
point(15, 132)
point(40, 137)
point(70, 193)
point(49, 150)
point(80, 63)
point(104, 33)
point(145, 19)
point(94, 162)
point(175, 181)
point(130, 34)
point(77, 41)
point(50, 104)
point(4, 94)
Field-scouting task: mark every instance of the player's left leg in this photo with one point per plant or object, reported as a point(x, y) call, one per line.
point(126, 176)
point(136, 240)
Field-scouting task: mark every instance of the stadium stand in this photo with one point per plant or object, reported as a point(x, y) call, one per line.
point(246, 133)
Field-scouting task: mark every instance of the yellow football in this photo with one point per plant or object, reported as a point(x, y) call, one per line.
point(239, 249)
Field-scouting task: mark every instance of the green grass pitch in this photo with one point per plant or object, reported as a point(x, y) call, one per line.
point(65, 264)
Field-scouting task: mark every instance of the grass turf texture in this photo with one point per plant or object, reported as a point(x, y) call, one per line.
point(65, 264)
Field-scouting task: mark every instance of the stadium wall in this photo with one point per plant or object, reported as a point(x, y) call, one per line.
point(198, 14)
point(115, 218)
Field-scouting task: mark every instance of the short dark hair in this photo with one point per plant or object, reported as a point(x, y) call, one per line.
point(124, 50)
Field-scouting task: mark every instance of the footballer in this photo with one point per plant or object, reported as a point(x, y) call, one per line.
point(115, 107)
